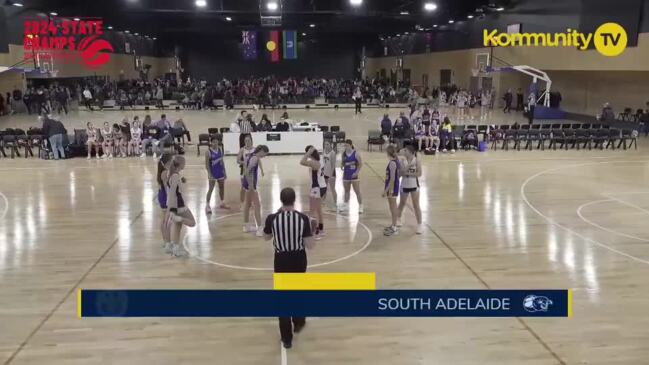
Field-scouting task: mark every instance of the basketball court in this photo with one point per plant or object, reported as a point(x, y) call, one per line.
point(504, 219)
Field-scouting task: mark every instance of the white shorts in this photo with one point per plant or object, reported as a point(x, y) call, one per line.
point(318, 193)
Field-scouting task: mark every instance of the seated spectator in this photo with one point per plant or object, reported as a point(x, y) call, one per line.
point(179, 124)
point(386, 127)
point(282, 125)
point(264, 124)
point(447, 140)
point(150, 135)
point(164, 126)
point(400, 130)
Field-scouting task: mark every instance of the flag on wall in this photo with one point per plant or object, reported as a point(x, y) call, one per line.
point(249, 44)
point(290, 44)
point(272, 45)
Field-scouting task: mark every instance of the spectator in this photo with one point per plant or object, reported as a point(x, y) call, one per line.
point(282, 125)
point(87, 98)
point(179, 124)
point(54, 130)
point(164, 127)
point(607, 114)
point(264, 124)
point(61, 100)
point(519, 100)
point(386, 127)
point(508, 101)
point(447, 139)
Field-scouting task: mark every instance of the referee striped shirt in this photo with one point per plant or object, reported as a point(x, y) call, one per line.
point(245, 126)
point(289, 229)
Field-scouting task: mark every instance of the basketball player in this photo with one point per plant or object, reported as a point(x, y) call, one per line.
point(161, 177)
point(249, 184)
point(410, 172)
point(311, 159)
point(391, 189)
point(329, 160)
point(91, 131)
point(215, 173)
point(242, 157)
point(179, 214)
point(135, 144)
point(107, 144)
point(351, 165)
point(422, 134)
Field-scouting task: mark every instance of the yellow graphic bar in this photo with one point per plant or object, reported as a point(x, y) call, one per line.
point(569, 303)
point(79, 302)
point(325, 281)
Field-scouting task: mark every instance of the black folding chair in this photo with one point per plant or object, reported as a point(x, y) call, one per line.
point(628, 135)
point(557, 136)
point(212, 131)
point(496, 136)
point(569, 137)
point(203, 140)
point(583, 136)
point(335, 128)
point(599, 136)
point(613, 137)
point(533, 135)
point(224, 130)
point(511, 135)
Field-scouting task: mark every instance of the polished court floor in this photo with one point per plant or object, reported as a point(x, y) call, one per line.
point(528, 219)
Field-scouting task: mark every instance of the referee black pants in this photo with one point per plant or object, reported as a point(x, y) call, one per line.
point(292, 261)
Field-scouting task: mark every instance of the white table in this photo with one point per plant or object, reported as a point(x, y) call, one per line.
point(310, 127)
point(277, 142)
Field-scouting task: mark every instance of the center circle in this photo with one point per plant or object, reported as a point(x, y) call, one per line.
point(323, 244)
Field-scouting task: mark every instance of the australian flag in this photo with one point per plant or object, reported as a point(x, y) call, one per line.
point(249, 44)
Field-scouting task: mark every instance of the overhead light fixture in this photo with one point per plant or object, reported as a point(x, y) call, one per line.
point(434, 25)
point(76, 19)
point(304, 34)
point(451, 21)
point(312, 25)
point(137, 33)
point(404, 13)
point(154, 38)
point(228, 18)
point(356, 2)
point(18, 5)
point(53, 13)
point(500, 9)
point(127, 31)
point(201, 3)
point(430, 6)
point(272, 5)
point(406, 33)
point(469, 16)
point(110, 27)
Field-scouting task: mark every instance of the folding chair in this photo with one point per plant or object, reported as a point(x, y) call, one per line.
point(536, 126)
point(569, 136)
point(203, 140)
point(496, 136)
point(599, 136)
point(224, 130)
point(510, 135)
point(324, 128)
point(583, 136)
point(533, 135)
point(525, 127)
point(211, 131)
point(335, 128)
point(586, 126)
point(178, 135)
point(484, 131)
point(9, 141)
point(545, 135)
point(458, 132)
point(546, 126)
point(613, 136)
point(374, 138)
point(629, 135)
point(556, 126)
point(339, 137)
point(557, 136)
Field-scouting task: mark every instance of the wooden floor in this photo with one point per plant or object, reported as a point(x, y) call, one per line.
point(528, 219)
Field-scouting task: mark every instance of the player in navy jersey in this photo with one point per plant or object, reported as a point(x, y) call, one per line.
point(249, 184)
point(391, 188)
point(312, 160)
point(215, 173)
point(351, 165)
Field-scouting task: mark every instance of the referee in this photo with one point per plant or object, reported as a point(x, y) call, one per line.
point(245, 127)
point(290, 231)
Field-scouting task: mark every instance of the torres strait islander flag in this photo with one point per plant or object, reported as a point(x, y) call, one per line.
point(290, 44)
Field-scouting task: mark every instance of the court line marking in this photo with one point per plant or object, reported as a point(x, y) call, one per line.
point(6, 208)
point(628, 203)
point(71, 291)
point(555, 223)
point(370, 238)
point(284, 356)
point(482, 281)
point(586, 220)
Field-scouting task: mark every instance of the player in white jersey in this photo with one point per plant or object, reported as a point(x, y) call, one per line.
point(312, 160)
point(410, 174)
point(329, 161)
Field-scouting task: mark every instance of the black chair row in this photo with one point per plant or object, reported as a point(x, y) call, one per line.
point(15, 139)
point(563, 138)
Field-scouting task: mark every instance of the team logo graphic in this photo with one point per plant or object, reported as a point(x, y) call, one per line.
point(610, 39)
point(536, 303)
point(89, 49)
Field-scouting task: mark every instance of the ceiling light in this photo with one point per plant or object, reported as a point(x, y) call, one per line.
point(304, 34)
point(201, 3)
point(469, 16)
point(154, 38)
point(356, 2)
point(76, 19)
point(110, 27)
point(434, 25)
point(127, 31)
point(451, 21)
point(404, 13)
point(54, 13)
point(430, 6)
point(18, 5)
point(312, 25)
point(500, 9)
point(407, 33)
point(228, 18)
point(137, 33)
point(272, 5)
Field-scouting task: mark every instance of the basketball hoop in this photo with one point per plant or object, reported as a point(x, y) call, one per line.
point(475, 72)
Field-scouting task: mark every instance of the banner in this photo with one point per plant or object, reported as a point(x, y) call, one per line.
point(272, 45)
point(324, 303)
point(249, 44)
point(290, 44)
